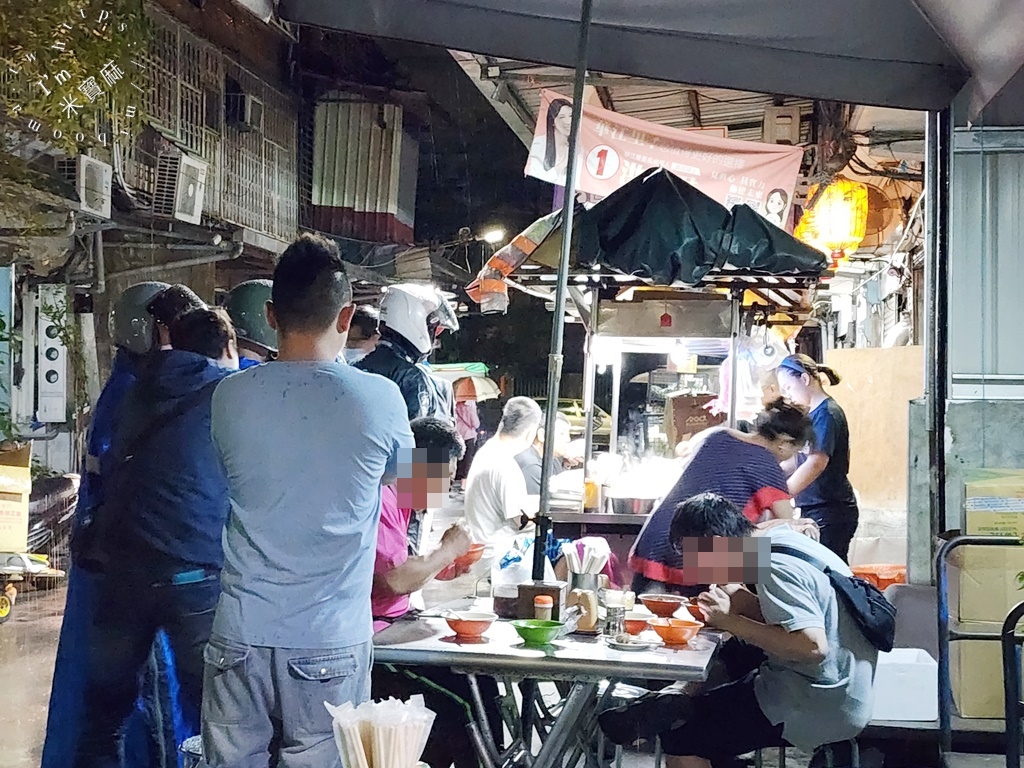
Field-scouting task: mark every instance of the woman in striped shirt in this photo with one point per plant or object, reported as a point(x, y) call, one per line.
point(743, 468)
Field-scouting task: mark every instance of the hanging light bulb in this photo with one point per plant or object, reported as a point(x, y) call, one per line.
point(837, 221)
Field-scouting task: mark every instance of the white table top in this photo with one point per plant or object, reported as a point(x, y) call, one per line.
point(430, 642)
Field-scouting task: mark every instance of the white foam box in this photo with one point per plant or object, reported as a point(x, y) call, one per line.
point(906, 686)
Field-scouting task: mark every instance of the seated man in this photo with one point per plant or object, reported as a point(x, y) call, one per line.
point(397, 575)
point(811, 686)
point(531, 460)
point(497, 504)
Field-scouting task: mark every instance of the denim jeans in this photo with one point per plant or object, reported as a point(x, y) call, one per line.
point(130, 611)
point(248, 688)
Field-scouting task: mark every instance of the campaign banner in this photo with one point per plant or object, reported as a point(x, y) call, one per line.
point(615, 149)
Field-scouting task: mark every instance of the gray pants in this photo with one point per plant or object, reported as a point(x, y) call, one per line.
point(246, 688)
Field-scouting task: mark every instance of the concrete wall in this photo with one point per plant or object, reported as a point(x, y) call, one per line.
point(877, 385)
point(979, 434)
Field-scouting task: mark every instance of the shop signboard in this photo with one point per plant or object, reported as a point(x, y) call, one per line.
point(614, 149)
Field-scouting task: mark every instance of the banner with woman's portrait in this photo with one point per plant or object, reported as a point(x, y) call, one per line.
point(615, 149)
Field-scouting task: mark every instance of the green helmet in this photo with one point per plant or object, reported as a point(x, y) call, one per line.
point(131, 325)
point(247, 307)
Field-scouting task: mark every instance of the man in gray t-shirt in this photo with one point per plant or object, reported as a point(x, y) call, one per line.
point(802, 669)
point(306, 443)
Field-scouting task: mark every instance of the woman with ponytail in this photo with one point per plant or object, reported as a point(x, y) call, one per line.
point(819, 483)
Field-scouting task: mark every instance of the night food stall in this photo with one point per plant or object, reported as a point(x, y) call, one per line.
point(666, 268)
point(660, 268)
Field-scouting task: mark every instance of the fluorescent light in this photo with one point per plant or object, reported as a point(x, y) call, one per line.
point(493, 236)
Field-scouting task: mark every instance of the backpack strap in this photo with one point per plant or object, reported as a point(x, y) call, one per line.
point(782, 549)
point(157, 424)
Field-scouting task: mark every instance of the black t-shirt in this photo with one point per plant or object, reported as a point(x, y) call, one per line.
point(831, 437)
point(530, 461)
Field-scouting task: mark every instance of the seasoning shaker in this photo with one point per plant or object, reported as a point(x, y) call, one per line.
point(542, 606)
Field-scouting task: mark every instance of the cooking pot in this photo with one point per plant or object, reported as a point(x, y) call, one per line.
point(633, 506)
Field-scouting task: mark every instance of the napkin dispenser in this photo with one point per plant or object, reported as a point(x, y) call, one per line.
point(558, 591)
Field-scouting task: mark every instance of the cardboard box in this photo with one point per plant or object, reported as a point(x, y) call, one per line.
point(15, 488)
point(906, 686)
point(994, 502)
point(985, 582)
point(558, 591)
point(976, 673)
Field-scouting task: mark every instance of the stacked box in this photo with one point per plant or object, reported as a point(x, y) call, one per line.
point(15, 489)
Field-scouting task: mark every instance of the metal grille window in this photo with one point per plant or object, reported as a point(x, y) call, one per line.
point(252, 177)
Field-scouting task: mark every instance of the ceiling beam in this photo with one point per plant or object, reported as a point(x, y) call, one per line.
point(509, 105)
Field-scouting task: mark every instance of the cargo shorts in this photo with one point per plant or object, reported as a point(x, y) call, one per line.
point(247, 688)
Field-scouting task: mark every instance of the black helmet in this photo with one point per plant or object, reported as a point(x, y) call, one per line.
point(131, 324)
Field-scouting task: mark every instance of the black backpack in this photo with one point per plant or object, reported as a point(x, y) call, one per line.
point(875, 615)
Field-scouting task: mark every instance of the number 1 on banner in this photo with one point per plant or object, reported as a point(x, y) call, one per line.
point(602, 162)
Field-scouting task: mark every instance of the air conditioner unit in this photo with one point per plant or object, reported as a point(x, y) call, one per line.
point(781, 125)
point(92, 179)
point(52, 358)
point(180, 186)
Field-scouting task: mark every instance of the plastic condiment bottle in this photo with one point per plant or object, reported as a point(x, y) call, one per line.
point(542, 607)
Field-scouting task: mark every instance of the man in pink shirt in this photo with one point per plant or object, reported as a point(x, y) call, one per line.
point(396, 575)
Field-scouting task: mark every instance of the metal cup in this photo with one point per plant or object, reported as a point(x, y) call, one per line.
point(586, 581)
point(615, 620)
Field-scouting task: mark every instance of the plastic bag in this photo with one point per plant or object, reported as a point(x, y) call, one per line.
point(513, 565)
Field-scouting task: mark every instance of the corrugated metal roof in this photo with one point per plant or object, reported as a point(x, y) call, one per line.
point(658, 102)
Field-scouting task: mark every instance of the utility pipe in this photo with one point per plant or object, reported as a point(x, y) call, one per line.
point(99, 264)
point(198, 261)
point(543, 522)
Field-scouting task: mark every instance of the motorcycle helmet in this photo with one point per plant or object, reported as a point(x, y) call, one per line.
point(170, 304)
point(417, 313)
point(247, 307)
point(131, 325)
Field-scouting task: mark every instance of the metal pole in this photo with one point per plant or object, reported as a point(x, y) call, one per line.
point(613, 444)
point(558, 326)
point(99, 264)
point(734, 353)
point(589, 383)
point(936, 192)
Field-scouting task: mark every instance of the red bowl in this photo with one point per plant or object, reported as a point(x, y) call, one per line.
point(470, 624)
point(473, 555)
point(663, 606)
point(635, 623)
point(695, 611)
point(675, 631)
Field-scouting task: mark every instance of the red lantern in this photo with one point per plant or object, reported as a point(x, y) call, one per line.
point(666, 320)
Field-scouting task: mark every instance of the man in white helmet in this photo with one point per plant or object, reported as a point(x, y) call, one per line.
point(411, 318)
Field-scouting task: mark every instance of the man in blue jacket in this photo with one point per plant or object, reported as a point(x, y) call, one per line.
point(160, 527)
point(133, 333)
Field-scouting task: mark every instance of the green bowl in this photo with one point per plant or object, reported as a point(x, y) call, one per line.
point(537, 631)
